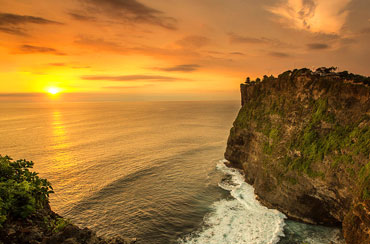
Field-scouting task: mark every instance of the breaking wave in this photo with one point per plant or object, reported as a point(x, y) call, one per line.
point(240, 219)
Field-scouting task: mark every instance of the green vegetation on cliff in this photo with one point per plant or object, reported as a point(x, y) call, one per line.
point(339, 144)
point(22, 191)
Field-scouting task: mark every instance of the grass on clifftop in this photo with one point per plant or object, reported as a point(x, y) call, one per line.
point(364, 180)
point(22, 191)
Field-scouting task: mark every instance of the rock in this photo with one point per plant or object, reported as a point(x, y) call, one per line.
point(303, 141)
point(120, 240)
point(70, 241)
point(11, 231)
point(32, 234)
point(74, 234)
point(37, 229)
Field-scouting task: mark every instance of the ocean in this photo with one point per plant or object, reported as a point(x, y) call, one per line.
point(150, 170)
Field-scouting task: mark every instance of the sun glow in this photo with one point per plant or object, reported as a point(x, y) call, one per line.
point(53, 90)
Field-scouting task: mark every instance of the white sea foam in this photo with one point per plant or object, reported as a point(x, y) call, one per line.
point(241, 219)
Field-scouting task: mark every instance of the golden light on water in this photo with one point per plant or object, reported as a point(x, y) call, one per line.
point(62, 158)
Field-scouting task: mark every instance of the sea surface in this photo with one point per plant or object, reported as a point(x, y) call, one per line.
point(150, 170)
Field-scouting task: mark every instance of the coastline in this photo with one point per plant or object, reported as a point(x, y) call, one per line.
point(302, 143)
point(47, 227)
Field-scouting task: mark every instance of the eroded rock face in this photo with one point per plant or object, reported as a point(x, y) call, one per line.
point(303, 140)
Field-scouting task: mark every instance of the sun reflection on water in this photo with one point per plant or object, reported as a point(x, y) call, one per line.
point(61, 142)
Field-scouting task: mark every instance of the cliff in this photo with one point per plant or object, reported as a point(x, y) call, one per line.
point(303, 140)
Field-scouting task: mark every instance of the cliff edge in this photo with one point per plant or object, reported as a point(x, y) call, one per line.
point(303, 141)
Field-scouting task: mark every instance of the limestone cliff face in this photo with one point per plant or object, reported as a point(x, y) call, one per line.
point(303, 140)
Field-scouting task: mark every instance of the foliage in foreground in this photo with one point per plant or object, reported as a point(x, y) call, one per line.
point(22, 191)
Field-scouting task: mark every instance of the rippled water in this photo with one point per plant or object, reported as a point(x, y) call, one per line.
point(146, 170)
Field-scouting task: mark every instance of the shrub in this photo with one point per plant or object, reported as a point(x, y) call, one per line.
point(55, 225)
point(267, 149)
point(22, 192)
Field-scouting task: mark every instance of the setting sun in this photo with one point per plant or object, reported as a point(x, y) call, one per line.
point(53, 90)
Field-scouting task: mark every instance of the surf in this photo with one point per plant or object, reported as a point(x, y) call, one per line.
point(240, 219)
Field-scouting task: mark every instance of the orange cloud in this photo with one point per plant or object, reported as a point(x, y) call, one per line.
point(15, 24)
point(326, 16)
point(128, 10)
point(181, 68)
point(157, 78)
point(38, 49)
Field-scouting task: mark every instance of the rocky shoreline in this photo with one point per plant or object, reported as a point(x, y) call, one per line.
point(303, 142)
point(47, 227)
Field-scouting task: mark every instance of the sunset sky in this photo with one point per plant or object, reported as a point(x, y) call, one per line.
point(172, 49)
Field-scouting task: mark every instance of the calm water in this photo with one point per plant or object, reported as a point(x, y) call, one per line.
point(146, 170)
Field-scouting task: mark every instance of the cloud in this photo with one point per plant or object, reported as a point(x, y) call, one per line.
point(100, 44)
point(15, 24)
point(327, 16)
point(81, 67)
point(69, 65)
point(181, 68)
point(317, 46)
point(239, 39)
point(13, 31)
point(19, 94)
point(103, 45)
point(152, 78)
point(38, 49)
point(81, 17)
point(130, 10)
point(237, 53)
point(58, 64)
point(21, 97)
point(193, 41)
point(365, 30)
point(15, 19)
point(235, 38)
point(126, 87)
point(279, 54)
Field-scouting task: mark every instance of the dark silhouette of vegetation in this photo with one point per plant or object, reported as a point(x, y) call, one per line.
point(345, 75)
point(319, 72)
point(22, 191)
point(325, 70)
point(355, 78)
